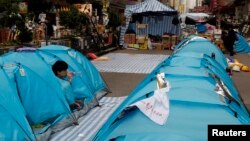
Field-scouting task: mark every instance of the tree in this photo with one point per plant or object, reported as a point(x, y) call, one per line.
point(11, 17)
point(9, 10)
point(73, 19)
point(9, 5)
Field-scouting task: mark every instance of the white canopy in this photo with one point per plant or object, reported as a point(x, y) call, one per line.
point(199, 17)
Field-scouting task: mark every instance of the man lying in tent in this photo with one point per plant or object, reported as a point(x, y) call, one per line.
point(60, 70)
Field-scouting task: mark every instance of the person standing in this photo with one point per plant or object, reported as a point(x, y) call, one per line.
point(229, 37)
point(232, 37)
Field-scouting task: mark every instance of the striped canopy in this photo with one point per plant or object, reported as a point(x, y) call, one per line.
point(152, 7)
point(148, 6)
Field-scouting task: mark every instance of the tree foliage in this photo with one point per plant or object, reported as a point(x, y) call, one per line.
point(10, 17)
point(9, 5)
point(73, 19)
point(9, 11)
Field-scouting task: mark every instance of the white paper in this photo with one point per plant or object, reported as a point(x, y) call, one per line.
point(156, 107)
point(22, 72)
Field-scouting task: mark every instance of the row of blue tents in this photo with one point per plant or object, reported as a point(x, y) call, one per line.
point(241, 45)
point(196, 70)
point(32, 101)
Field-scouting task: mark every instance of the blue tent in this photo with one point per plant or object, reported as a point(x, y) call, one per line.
point(42, 95)
point(195, 43)
point(38, 89)
point(241, 46)
point(14, 125)
point(195, 103)
point(89, 80)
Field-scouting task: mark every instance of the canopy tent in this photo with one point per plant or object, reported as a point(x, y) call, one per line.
point(195, 102)
point(149, 6)
point(197, 17)
point(158, 16)
point(14, 125)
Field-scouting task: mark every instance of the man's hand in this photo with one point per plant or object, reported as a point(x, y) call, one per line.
point(70, 76)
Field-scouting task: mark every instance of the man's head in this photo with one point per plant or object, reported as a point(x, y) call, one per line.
point(60, 68)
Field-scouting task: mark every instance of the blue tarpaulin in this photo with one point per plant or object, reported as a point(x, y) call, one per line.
point(241, 46)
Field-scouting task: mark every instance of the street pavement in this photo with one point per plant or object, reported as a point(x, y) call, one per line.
point(242, 79)
point(122, 84)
